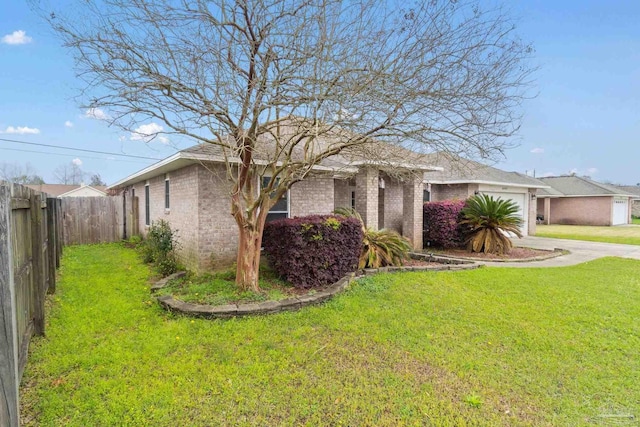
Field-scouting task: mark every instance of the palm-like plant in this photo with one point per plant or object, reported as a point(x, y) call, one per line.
point(380, 247)
point(489, 220)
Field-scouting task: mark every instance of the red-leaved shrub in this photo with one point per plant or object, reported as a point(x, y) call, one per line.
point(313, 251)
point(441, 224)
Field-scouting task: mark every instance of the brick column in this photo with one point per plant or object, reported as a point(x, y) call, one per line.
point(367, 196)
point(412, 212)
point(547, 210)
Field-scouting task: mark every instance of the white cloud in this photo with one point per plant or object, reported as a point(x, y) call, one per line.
point(573, 171)
point(77, 162)
point(537, 150)
point(148, 132)
point(592, 171)
point(17, 37)
point(96, 113)
point(21, 130)
point(68, 124)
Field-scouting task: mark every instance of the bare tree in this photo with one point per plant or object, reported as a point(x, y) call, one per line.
point(433, 75)
point(20, 174)
point(96, 179)
point(69, 174)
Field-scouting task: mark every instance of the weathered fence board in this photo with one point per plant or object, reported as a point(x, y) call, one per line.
point(29, 253)
point(89, 220)
point(9, 377)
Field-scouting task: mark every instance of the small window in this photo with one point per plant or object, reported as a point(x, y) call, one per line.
point(426, 196)
point(281, 208)
point(147, 213)
point(166, 194)
point(353, 200)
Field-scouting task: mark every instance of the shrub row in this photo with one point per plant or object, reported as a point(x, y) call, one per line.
point(315, 250)
point(441, 224)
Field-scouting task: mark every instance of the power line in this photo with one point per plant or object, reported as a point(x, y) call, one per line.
point(78, 149)
point(71, 155)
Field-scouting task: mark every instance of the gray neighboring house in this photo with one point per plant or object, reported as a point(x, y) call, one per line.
point(577, 200)
point(461, 178)
point(635, 201)
point(191, 191)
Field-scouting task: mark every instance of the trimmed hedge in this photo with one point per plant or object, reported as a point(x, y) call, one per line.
point(313, 251)
point(441, 224)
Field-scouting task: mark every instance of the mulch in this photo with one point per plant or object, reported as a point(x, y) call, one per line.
point(516, 253)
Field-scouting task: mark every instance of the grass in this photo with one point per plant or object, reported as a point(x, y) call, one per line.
point(499, 347)
point(219, 288)
point(635, 221)
point(618, 234)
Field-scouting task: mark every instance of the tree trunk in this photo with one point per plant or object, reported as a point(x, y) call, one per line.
point(249, 242)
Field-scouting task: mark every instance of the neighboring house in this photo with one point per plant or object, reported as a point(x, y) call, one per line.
point(191, 191)
point(62, 190)
point(635, 201)
point(581, 201)
point(462, 178)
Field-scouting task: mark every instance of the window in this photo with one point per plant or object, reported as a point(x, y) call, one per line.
point(147, 213)
point(281, 208)
point(426, 196)
point(353, 200)
point(166, 193)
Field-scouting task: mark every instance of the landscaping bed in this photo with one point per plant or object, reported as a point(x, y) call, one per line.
point(217, 296)
point(515, 254)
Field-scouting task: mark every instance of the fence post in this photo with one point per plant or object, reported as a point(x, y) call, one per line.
point(38, 264)
point(51, 243)
point(59, 232)
point(9, 409)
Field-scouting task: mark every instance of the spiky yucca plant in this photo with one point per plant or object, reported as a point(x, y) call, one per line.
point(489, 220)
point(380, 247)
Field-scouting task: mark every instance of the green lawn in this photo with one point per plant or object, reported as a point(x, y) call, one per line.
point(489, 347)
point(636, 221)
point(618, 234)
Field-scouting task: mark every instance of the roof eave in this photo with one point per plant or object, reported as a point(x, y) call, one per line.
point(481, 181)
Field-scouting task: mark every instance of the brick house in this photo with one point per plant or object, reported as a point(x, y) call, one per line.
point(461, 178)
point(191, 191)
point(581, 201)
point(635, 201)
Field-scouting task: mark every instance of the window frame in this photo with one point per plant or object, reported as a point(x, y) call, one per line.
point(167, 194)
point(147, 205)
point(286, 196)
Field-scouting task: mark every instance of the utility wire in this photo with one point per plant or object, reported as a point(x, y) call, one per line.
point(72, 155)
point(78, 149)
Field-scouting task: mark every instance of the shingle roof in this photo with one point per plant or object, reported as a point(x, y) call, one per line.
point(579, 186)
point(460, 170)
point(631, 189)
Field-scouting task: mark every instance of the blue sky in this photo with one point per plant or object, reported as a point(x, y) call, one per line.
point(584, 119)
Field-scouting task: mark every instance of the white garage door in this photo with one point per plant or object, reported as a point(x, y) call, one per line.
point(620, 211)
point(520, 200)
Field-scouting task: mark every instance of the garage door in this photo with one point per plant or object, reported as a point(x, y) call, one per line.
point(519, 199)
point(620, 211)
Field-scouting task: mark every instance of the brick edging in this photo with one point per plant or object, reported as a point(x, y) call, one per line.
point(168, 302)
point(552, 254)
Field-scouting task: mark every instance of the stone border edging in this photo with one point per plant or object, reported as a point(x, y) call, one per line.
point(168, 302)
point(553, 254)
point(233, 310)
point(165, 281)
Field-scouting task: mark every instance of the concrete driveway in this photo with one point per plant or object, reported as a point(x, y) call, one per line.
point(581, 251)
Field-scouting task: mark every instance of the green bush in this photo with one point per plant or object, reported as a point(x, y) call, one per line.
point(160, 247)
point(489, 221)
point(379, 247)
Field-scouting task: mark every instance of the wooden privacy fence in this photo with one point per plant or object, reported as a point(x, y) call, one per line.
point(89, 220)
point(30, 250)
